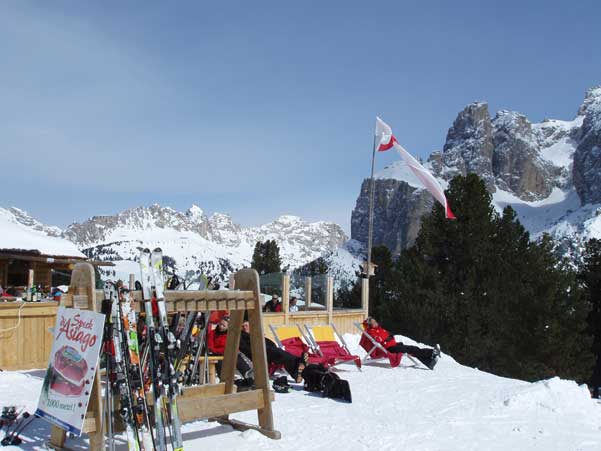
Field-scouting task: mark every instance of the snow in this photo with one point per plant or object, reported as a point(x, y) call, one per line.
point(593, 224)
point(554, 394)
point(592, 106)
point(15, 235)
point(451, 408)
point(345, 263)
point(511, 121)
point(289, 219)
point(561, 153)
point(195, 213)
point(555, 125)
point(220, 219)
point(122, 270)
point(188, 249)
point(556, 142)
point(213, 245)
point(559, 215)
point(580, 224)
point(26, 219)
